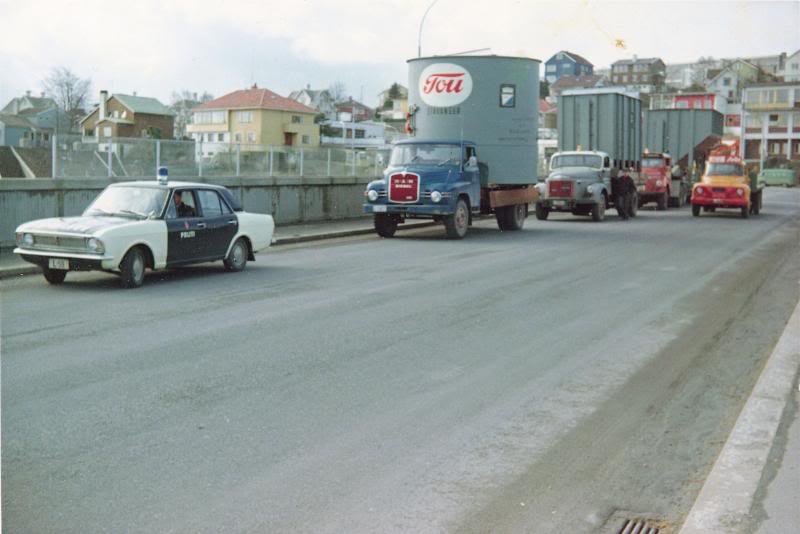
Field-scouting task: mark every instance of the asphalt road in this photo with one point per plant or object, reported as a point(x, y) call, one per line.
point(555, 379)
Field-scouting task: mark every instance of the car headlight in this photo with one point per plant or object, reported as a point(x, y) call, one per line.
point(436, 197)
point(372, 195)
point(740, 192)
point(95, 245)
point(27, 240)
point(659, 183)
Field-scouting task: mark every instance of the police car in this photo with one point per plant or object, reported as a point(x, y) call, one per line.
point(131, 226)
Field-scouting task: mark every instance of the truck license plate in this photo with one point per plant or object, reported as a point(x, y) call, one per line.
point(560, 203)
point(379, 209)
point(58, 263)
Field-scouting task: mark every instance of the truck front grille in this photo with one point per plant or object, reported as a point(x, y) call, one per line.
point(560, 188)
point(404, 188)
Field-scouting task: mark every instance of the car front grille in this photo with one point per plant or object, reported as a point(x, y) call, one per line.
point(57, 243)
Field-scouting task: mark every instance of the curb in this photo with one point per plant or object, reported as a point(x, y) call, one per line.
point(725, 500)
point(23, 269)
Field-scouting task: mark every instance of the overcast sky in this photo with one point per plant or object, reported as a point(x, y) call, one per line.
point(156, 47)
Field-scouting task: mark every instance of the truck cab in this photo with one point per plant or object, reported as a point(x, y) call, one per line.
point(579, 182)
point(725, 184)
point(437, 180)
point(655, 181)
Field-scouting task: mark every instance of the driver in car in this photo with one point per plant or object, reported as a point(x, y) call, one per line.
point(182, 209)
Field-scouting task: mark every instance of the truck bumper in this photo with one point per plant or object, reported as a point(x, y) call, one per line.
point(563, 204)
point(720, 202)
point(409, 210)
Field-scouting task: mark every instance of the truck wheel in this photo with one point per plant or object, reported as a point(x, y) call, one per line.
point(599, 211)
point(456, 225)
point(542, 212)
point(385, 226)
point(695, 210)
point(661, 203)
point(515, 217)
point(745, 212)
point(132, 268)
point(54, 276)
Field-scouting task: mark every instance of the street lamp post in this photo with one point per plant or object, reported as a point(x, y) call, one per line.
point(421, 22)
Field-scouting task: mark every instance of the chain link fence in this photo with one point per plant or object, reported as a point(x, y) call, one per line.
point(79, 157)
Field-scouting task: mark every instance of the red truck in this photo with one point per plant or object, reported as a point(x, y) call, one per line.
point(659, 182)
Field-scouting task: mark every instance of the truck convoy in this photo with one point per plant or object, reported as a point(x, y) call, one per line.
point(473, 146)
point(599, 137)
point(725, 184)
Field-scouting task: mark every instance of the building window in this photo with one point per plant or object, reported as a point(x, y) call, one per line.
point(106, 131)
point(209, 117)
point(305, 139)
point(726, 82)
point(220, 137)
point(508, 95)
point(238, 137)
point(251, 137)
point(244, 116)
point(297, 119)
point(551, 68)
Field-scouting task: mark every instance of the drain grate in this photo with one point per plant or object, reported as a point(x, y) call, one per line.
point(640, 526)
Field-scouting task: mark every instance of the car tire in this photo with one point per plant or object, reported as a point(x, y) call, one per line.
point(695, 210)
point(599, 210)
point(385, 226)
point(456, 225)
point(132, 268)
point(237, 257)
point(542, 212)
point(54, 276)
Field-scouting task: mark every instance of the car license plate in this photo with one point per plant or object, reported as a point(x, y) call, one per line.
point(58, 263)
point(379, 209)
point(560, 203)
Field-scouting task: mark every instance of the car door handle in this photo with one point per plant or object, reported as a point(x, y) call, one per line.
point(201, 225)
point(232, 221)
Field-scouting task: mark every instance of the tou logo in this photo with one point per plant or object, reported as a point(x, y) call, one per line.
point(444, 84)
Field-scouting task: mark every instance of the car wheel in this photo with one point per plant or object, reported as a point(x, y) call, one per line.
point(385, 226)
point(132, 268)
point(237, 257)
point(54, 276)
point(456, 225)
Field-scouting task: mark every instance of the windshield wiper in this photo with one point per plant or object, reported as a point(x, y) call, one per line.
point(102, 211)
point(445, 162)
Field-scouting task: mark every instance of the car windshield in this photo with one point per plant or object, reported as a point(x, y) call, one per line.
point(425, 155)
point(129, 202)
point(653, 162)
point(576, 160)
point(724, 169)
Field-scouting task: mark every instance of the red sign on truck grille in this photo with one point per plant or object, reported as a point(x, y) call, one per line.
point(404, 187)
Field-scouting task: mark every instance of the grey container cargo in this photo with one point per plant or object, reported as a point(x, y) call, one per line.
point(500, 113)
point(608, 120)
point(679, 131)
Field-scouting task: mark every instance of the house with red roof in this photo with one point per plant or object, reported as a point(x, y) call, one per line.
point(253, 118)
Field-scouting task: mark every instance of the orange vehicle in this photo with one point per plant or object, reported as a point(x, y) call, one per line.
point(725, 184)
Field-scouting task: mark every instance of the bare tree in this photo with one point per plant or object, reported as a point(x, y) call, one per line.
point(338, 91)
point(181, 104)
point(69, 91)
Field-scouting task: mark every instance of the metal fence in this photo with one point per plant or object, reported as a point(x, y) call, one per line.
point(79, 157)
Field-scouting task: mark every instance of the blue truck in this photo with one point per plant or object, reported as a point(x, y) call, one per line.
point(473, 148)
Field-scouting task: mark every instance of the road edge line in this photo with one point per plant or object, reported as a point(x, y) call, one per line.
point(724, 503)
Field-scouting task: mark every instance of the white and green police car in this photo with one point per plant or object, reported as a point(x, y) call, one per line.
point(132, 226)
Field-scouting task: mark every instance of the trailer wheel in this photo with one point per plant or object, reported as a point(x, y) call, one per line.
point(385, 226)
point(661, 203)
point(599, 210)
point(542, 212)
point(515, 217)
point(696, 210)
point(456, 225)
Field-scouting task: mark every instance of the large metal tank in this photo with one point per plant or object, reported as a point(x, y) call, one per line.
point(490, 100)
point(679, 131)
point(604, 119)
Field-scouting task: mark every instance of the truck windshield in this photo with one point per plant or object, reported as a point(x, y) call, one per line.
point(724, 169)
point(129, 202)
point(425, 155)
point(576, 160)
point(653, 162)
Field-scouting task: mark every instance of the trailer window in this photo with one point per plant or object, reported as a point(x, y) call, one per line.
point(576, 160)
point(508, 95)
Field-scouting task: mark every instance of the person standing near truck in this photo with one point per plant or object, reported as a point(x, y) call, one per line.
point(622, 188)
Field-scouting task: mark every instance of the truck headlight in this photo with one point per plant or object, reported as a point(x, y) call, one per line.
point(95, 246)
point(372, 195)
point(740, 192)
point(699, 190)
point(436, 197)
point(659, 183)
